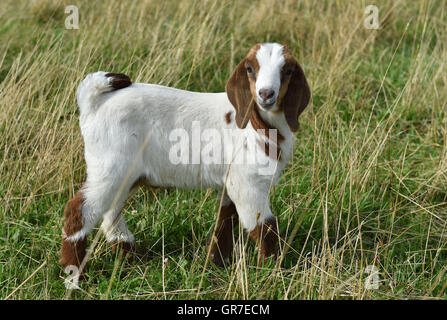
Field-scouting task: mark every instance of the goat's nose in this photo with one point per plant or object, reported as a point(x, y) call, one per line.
point(266, 93)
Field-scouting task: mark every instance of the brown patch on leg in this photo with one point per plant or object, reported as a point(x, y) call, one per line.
point(222, 245)
point(266, 236)
point(73, 253)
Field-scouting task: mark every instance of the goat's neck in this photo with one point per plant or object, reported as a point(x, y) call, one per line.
point(271, 120)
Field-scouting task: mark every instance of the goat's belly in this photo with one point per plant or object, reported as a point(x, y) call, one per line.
point(185, 176)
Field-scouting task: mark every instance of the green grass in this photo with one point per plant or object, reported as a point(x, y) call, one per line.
point(367, 185)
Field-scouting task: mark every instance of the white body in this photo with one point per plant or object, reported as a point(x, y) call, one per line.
point(126, 134)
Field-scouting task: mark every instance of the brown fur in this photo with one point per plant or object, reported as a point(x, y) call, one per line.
point(240, 89)
point(223, 245)
point(120, 80)
point(265, 146)
point(266, 236)
point(73, 253)
point(297, 96)
point(259, 124)
point(252, 61)
point(228, 117)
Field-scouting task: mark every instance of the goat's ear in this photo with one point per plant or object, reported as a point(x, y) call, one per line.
point(296, 98)
point(239, 94)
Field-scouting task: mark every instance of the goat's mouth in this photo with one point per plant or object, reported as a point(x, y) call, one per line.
point(266, 105)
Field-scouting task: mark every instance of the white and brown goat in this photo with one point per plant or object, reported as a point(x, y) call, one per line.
point(128, 135)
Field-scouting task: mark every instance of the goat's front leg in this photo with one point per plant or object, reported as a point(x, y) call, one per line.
point(222, 243)
point(266, 236)
point(256, 217)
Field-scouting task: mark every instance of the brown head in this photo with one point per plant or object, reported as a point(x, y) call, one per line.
point(271, 79)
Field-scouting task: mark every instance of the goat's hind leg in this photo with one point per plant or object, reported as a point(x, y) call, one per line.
point(73, 252)
point(117, 233)
point(84, 211)
point(114, 225)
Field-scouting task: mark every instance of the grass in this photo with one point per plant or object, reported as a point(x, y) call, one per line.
point(366, 186)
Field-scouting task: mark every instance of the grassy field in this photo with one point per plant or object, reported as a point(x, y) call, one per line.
point(366, 187)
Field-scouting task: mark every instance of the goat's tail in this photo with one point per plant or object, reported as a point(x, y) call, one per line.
point(96, 84)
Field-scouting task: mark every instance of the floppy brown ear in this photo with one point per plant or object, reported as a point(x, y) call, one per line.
point(296, 98)
point(238, 92)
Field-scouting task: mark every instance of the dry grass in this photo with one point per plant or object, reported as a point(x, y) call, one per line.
point(367, 185)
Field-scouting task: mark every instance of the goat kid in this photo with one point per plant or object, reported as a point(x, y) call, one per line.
point(127, 135)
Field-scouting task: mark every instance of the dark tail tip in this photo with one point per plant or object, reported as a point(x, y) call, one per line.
point(120, 80)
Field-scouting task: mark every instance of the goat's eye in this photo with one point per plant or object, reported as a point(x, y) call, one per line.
point(249, 70)
point(288, 72)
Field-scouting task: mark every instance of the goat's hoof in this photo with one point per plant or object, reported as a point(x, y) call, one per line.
point(218, 260)
point(265, 260)
point(216, 255)
point(125, 249)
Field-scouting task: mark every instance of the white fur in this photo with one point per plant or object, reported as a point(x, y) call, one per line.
point(271, 60)
point(126, 135)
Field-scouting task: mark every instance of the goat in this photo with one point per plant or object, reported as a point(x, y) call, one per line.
point(128, 135)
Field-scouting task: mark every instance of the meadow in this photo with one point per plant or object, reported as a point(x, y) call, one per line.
point(365, 190)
